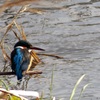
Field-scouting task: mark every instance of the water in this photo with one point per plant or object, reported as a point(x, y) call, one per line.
point(72, 32)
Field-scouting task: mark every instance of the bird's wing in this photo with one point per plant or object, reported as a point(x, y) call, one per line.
point(17, 60)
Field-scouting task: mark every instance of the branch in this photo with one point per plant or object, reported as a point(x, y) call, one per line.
point(27, 73)
point(7, 73)
point(33, 72)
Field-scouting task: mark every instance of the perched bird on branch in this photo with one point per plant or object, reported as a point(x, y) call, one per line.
point(22, 58)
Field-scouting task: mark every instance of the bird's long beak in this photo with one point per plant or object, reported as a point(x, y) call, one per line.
point(36, 48)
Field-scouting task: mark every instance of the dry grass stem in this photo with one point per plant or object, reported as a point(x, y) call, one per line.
point(23, 33)
point(51, 55)
point(9, 27)
point(16, 35)
point(15, 3)
point(34, 10)
point(5, 55)
point(34, 55)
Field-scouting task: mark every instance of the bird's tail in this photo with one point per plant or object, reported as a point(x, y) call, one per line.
point(19, 74)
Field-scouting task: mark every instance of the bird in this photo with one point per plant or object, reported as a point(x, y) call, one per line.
point(21, 57)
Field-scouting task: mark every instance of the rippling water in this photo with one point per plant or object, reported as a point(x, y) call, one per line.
point(72, 32)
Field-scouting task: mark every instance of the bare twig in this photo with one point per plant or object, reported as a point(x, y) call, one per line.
point(33, 72)
point(27, 73)
point(7, 73)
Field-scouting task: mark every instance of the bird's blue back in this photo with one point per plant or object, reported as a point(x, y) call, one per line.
point(20, 59)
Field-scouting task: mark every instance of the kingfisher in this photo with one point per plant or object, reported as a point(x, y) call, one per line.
point(21, 57)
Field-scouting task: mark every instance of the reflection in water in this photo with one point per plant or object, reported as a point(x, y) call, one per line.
point(72, 32)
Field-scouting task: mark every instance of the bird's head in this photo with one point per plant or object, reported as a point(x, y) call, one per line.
point(26, 44)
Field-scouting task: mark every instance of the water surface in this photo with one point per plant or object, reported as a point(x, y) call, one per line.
point(72, 32)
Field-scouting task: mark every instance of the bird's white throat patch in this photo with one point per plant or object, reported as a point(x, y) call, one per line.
point(20, 47)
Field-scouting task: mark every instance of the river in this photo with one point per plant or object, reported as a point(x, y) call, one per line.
point(72, 32)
